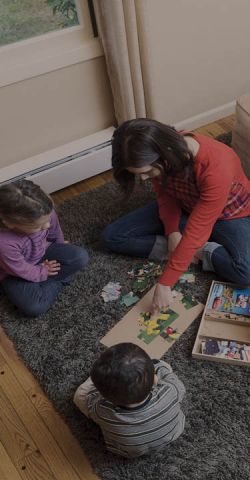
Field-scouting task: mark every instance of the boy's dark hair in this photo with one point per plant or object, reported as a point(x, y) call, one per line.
point(23, 202)
point(142, 142)
point(123, 374)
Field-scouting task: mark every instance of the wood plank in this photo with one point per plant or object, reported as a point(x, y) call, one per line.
point(10, 357)
point(19, 444)
point(50, 450)
point(57, 427)
point(80, 187)
point(210, 130)
point(224, 125)
point(8, 470)
point(62, 435)
point(33, 469)
point(13, 429)
point(227, 122)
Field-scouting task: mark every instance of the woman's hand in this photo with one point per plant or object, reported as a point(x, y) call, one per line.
point(173, 240)
point(162, 298)
point(52, 266)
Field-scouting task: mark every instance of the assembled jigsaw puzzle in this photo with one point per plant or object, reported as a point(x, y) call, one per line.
point(159, 325)
point(154, 334)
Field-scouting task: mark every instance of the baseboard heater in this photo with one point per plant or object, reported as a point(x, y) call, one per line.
point(65, 165)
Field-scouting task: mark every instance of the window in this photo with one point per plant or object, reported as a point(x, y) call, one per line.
point(22, 19)
point(38, 36)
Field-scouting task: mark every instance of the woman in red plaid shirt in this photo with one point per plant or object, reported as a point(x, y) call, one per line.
point(202, 208)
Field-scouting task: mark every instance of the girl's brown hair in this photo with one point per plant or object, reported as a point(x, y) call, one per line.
point(141, 142)
point(23, 202)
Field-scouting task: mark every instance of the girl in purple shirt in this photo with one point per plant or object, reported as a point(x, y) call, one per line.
point(35, 262)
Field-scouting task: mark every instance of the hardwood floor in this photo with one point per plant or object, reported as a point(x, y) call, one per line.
point(35, 443)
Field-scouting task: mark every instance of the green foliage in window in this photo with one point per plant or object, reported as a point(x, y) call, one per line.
point(67, 8)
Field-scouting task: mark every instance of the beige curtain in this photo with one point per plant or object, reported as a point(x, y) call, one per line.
point(119, 32)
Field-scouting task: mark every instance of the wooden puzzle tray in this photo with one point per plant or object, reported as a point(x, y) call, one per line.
point(224, 333)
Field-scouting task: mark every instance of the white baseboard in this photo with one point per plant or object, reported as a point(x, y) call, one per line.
point(65, 165)
point(206, 117)
point(69, 173)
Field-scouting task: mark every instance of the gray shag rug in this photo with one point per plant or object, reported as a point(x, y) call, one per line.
point(60, 347)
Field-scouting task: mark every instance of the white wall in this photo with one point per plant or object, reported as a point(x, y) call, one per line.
point(196, 54)
point(53, 109)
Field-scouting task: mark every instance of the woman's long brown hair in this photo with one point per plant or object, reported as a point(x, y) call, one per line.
point(142, 142)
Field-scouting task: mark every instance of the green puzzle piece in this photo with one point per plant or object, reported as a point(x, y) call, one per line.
point(189, 301)
point(161, 325)
point(140, 284)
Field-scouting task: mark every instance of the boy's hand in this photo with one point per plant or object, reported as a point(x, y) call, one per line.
point(53, 267)
point(162, 298)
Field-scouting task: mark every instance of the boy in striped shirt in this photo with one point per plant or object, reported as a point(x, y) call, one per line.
point(135, 401)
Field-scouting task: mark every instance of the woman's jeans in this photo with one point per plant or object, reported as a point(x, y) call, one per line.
point(141, 234)
point(35, 298)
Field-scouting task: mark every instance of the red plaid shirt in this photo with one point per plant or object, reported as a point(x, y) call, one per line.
point(214, 188)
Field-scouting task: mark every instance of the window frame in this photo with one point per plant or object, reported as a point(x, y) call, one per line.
point(51, 51)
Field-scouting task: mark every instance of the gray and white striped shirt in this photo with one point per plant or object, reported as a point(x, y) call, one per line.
point(137, 431)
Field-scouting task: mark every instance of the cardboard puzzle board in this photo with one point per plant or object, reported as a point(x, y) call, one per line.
point(180, 315)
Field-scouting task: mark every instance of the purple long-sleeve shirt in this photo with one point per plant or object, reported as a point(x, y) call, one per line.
point(20, 253)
